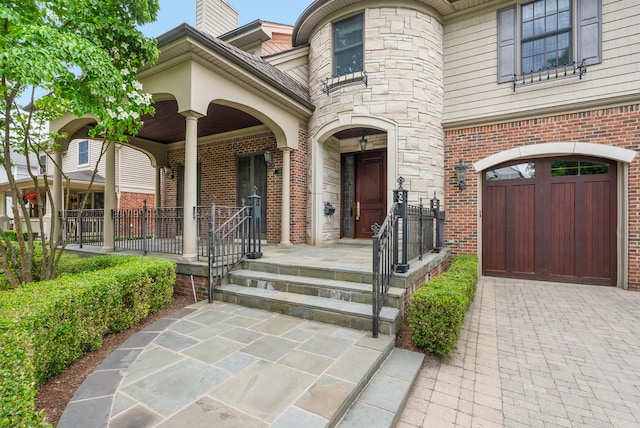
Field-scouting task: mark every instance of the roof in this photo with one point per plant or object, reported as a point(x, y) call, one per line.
point(249, 62)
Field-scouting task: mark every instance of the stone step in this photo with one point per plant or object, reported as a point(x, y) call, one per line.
point(312, 286)
point(332, 311)
point(381, 402)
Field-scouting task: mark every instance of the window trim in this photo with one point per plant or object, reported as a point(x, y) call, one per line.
point(335, 52)
point(80, 153)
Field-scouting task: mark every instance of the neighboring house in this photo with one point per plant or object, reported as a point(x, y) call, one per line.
point(133, 171)
point(538, 100)
point(19, 170)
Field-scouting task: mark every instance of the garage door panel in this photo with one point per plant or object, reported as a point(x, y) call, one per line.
point(597, 224)
point(562, 237)
point(495, 224)
point(524, 228)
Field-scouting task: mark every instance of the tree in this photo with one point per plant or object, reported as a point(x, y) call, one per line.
point(84, 54)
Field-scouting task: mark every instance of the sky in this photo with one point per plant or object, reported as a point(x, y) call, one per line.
point(175, 12)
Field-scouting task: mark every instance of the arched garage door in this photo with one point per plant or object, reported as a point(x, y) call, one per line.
point(551, 219)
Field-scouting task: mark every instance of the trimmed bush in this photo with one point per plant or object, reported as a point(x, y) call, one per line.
point(13, 235)
point(45, 326)
point(437, 309)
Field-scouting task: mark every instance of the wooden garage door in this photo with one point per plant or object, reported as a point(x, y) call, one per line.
point(551, 219)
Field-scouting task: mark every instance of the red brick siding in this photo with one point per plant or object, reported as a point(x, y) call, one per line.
point(183, 286)
point(219, 162)
point(619, 126)
point(136, 200)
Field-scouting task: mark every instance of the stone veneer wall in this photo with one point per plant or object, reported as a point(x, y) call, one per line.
point(617, 126)
point(403, 60)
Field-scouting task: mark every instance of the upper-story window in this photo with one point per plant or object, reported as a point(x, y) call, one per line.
point(546, 34)
point(542, 34)
point(348, 46)
point(43, 164)
point(83, 153)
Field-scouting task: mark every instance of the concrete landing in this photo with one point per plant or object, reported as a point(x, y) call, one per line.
point(224, 365)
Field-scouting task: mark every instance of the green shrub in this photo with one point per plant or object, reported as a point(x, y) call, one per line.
point(437, 310)
point(45, 326)
point(13, 235)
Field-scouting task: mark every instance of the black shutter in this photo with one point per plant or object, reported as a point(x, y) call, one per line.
point(507, 44)
point(589, 31)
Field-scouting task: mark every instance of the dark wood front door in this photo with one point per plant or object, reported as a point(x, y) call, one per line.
point(364, 192)
point(551, 220)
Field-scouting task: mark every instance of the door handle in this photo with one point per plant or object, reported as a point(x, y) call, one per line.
point(358, 210)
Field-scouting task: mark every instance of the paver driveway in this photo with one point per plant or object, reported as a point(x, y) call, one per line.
point(535, 355)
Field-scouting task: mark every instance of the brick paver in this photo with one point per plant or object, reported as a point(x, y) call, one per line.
point(535, 355)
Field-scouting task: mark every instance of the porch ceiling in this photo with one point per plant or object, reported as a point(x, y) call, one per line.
point(168, 126)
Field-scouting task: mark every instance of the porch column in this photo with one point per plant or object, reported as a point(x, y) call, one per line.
point(285, 224)
point(190, 231)
point(4, 218)
point(157, 201)
point(109, 197)
point(56, 205)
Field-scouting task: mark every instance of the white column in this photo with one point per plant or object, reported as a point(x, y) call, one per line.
point(4, 218)
point(109, 197)
point(285, 223)
point(56, 205)
point(190, 231)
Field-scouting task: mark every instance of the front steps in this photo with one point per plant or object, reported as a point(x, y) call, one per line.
point(338, 297)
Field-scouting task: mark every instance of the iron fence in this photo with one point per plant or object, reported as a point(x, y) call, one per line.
point(406, 234)
point(83, 227)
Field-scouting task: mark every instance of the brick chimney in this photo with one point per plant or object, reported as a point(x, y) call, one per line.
point(215, 17)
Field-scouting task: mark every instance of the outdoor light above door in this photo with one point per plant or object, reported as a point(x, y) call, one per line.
point(363, 144)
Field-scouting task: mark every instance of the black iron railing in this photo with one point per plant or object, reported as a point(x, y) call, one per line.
point(234, 234)
point(406, 234)
point(550, 73)
point(157, 230)
point(83, 227)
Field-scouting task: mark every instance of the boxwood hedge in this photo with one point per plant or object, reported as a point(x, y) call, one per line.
point(45, 326)
point(437, 309)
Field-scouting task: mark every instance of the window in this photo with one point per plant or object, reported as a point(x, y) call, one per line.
point(43, 164)
point(348, 46)
point(546, 35)
point(83, 152)
point(542, 34)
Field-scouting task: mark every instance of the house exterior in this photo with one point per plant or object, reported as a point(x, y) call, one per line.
point(537, 100)
point(19, 170)
point(135, 179)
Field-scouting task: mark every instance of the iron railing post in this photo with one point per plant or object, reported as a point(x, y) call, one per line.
point(145, 244)
point(420, 230)
point(400, 196)
point(440, 218)
point(212, 252)
point(255, 244)
point(79, 225)
point(376, 283)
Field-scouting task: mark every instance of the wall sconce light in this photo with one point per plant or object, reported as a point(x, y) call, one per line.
point(461, 175)
point(363, 144)
point(267, 158)
point(168, 171)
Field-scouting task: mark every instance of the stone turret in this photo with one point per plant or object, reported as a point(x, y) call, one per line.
point(216, 17)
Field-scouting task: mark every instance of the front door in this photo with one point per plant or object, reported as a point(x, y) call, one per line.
point(364, 192)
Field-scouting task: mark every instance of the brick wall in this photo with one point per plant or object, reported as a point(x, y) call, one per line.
point(619, 126)
point(219, 162)
point(136, 200)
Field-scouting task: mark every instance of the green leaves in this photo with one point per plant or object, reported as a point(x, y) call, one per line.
point(438, 308)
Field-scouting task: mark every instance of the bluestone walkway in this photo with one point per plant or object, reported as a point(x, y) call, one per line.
point(223, 365)
point(537, 354)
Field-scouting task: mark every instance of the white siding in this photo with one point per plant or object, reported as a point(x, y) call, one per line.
point(135, 173)
point(472, 93)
